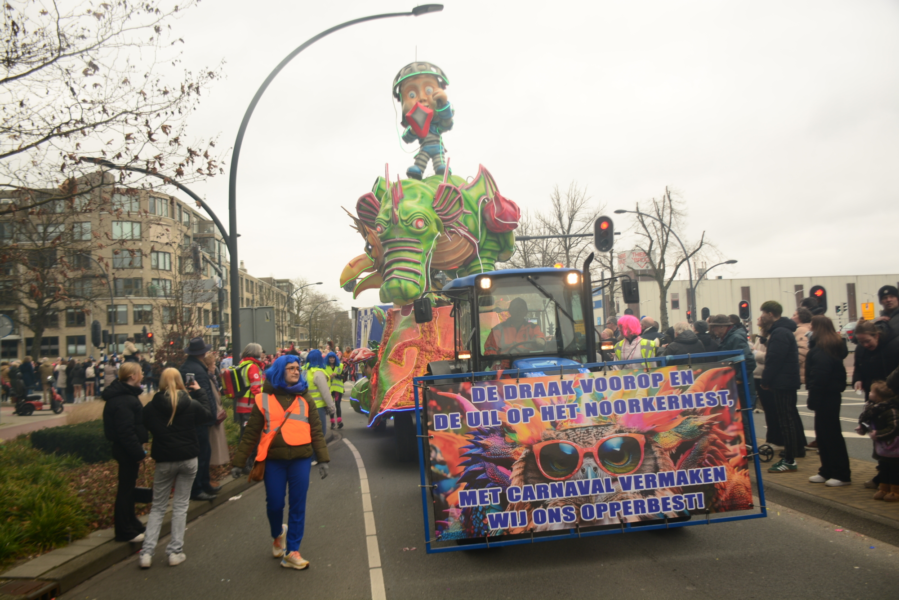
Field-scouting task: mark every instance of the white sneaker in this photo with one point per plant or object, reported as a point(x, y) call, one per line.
point(836, 483)
point(280, 543)
point(177, 558)
point(137, 539)
point(816, 479)
point(146, 561)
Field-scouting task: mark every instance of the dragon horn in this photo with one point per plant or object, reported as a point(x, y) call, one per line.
point(446, 172)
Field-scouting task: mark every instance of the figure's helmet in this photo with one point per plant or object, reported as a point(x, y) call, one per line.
point(419, 68)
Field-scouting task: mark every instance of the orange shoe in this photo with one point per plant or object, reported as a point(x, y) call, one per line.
point(293, 560)
point(280, 543)
point(882, 492)
point(893, 496)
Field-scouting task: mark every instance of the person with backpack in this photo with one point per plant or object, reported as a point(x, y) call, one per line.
point(173, 417)
point(242, 383)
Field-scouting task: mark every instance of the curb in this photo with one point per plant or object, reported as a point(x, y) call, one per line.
point(849, 517)
point(80, 568)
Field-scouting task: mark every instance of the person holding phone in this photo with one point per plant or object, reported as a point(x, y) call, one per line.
point(194, 370)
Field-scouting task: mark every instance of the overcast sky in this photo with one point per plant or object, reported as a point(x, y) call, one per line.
point(778, 122)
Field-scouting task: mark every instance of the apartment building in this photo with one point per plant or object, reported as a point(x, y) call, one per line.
point(146, 245)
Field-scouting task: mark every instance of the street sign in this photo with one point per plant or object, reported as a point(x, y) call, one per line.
point(215, 326)
point(868, 311)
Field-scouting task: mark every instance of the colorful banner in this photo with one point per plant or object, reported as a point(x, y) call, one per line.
point(513, 456)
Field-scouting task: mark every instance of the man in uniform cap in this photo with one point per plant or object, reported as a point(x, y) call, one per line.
point(889, 316)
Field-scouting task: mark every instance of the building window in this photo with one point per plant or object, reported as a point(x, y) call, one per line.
point(119, 312)
point(75, 317)
point(127, 259)
point(7, 231)
point(50, 321)
point(168, 315)
point(160, 288)
point(188, 314)
point(81, 288)
point(76, 345)
point(178, 212)
point(9, 349)
point(161, 261)
point(186, 220)
point(49, 232)
point(128, 286)
point(143, 314)
point(206, 317)
point(675, 301)
point(120, 339)
point(45, 258)
point(81, 232)
point(77, 260)
point(126, 202)
point(125, 230)
point(159, 206)
point(49, 346)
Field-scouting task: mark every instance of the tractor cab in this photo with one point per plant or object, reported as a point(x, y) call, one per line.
point(529, 319)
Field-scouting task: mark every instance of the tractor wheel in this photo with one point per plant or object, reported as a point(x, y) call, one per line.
point(406, 442)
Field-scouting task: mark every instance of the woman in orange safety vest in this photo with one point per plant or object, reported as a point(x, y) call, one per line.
point(287, 430)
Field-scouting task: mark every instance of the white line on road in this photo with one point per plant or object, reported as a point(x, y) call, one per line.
point(378, 591)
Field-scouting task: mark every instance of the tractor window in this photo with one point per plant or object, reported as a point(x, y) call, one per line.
point(521, 316)
point(463, 324)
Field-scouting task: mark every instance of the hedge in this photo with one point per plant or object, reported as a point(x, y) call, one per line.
point(84, 440)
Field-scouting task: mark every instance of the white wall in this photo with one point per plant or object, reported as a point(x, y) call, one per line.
point(724, 295)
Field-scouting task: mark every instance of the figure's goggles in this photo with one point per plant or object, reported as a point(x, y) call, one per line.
point(619, 454)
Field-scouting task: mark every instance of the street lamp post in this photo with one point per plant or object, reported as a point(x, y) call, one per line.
point(312, 313)
point(703, 274)
point(235, 155)
point(690, 301)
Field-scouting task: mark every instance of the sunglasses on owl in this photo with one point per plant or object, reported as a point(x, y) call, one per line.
point(619, 454)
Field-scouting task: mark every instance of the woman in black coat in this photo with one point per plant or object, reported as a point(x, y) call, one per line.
point(124, 427)
point(172, 416)
point(876, 356)
point(825, 380)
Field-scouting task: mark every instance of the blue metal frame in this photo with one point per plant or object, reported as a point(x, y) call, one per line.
point(661, 361)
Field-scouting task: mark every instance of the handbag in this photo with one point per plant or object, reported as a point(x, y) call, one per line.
point(258, 472)
point(888, 449)
point(143, 495)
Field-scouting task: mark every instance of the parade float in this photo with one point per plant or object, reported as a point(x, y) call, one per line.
point(491, 375)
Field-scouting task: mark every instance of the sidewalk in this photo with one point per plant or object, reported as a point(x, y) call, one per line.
point(64, 568)
point(848, 507)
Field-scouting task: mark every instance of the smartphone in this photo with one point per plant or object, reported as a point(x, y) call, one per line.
point(189, 378)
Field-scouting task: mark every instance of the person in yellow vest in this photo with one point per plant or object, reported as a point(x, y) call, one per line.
point(320, 388)
point(335, 369)
point(286, 431)
point(632, 346)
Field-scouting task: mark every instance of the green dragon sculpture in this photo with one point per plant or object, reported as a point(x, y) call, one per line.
point(415, 228)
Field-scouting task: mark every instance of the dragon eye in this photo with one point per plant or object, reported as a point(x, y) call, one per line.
point(418, 224)
point(379, 228)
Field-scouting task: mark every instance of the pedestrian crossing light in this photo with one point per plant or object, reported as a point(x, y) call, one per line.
point(744, 310)
point(603, 234)
point(820, 295)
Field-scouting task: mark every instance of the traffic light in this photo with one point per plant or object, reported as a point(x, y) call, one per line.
point(96, 334)
point(820, 295)
point(171, 342)
point(706, 313)
point(631, 292)
point(689, 316)
point(149, 338)
point(744, 309)
point(603, 234)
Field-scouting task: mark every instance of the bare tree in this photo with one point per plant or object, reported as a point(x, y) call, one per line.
point(85, 79)
point(180, 314)
point(658, 238)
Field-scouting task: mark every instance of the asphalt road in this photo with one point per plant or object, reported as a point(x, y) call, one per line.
point(787, 555)
point(858, 446)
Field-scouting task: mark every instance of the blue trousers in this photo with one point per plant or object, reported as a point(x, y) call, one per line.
point(323, 417)
point(281, 476)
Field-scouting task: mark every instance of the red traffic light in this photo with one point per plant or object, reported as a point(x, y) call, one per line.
point(150, 336)
point(819, 292)
point(604, 225)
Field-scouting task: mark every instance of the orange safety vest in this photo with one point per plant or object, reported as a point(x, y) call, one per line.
point(505, 336)
point(292, 423)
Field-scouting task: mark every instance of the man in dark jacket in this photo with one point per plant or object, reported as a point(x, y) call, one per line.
point(733, 337)
point(124, 427)
point(889, 316)
point(685, 342)
point(702, 332)
point(194, 365)
point(650, 329)
point(781, 375)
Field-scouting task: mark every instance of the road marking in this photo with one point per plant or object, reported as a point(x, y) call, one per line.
point(847, 419)
point(378, 592)
point(850, 435)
